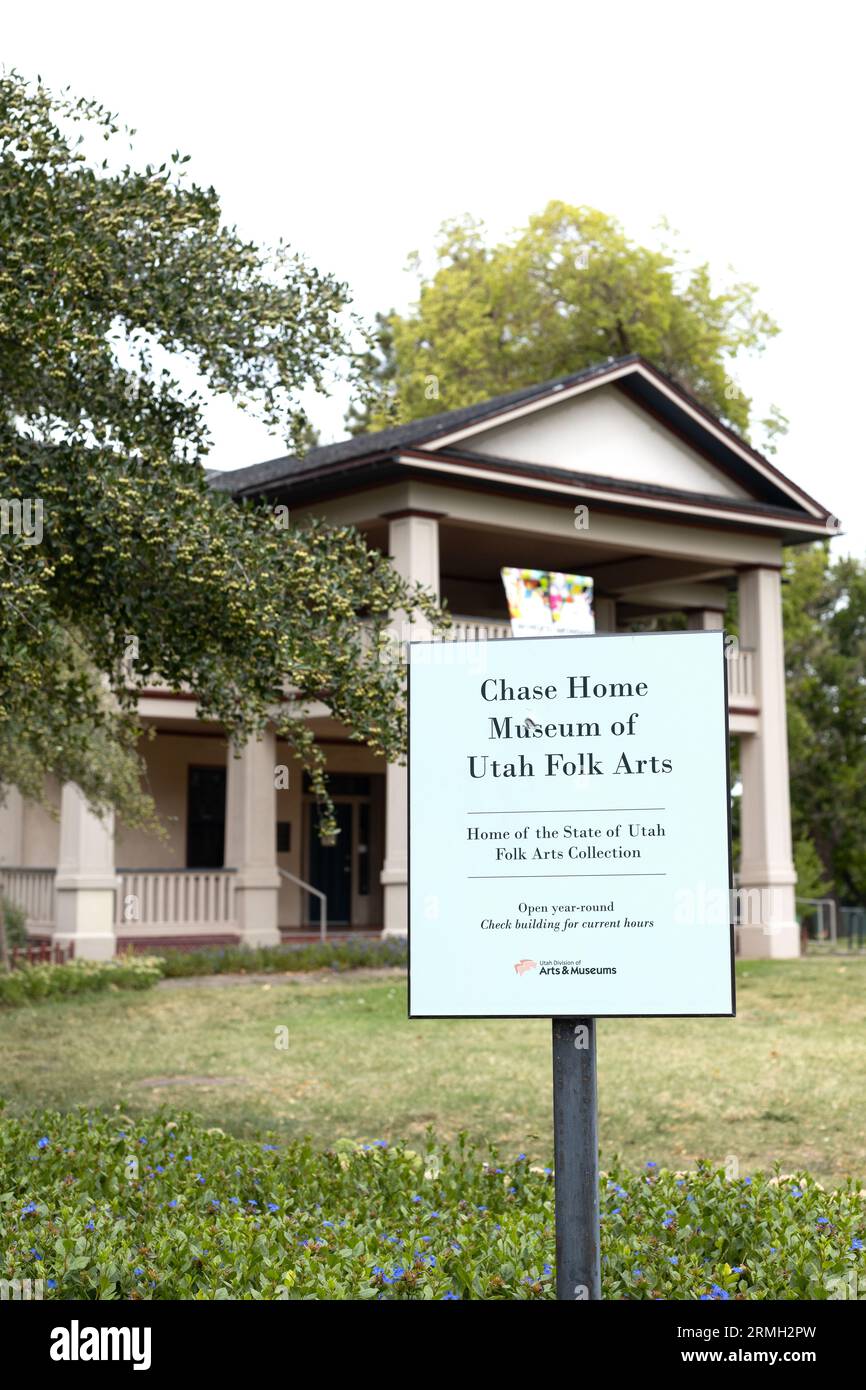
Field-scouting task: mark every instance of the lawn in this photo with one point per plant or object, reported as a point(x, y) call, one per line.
point(783, 1083)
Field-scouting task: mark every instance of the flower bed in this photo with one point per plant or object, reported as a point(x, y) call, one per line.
point(340, 955)
point(100, 1206)
point(28, 984)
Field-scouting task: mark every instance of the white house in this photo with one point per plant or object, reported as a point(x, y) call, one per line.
point(680, 511)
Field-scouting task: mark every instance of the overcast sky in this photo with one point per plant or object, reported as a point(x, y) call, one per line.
point(354, 130)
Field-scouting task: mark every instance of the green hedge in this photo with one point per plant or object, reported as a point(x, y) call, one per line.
point(343, 955)
point(30, 983)
point(101, 1206)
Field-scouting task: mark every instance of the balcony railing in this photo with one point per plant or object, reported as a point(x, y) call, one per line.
point(741, 678)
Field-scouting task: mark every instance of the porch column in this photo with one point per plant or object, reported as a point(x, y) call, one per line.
point(251, 840)
point(413, 545)
point(705, 620)
point(767, 876)
point(605, 614)
point(86, 882)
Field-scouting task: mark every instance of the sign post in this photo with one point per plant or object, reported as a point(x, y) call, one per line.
point(569, 857)
point(575, 1159)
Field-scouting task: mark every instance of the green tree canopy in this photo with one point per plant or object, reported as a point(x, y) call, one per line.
point(119, 566)
point(825, 655)
point(566, 292)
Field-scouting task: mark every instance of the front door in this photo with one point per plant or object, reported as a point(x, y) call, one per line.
point(348, 871)
point(330, 868)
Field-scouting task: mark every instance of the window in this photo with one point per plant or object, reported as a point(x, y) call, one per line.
point(206, 818)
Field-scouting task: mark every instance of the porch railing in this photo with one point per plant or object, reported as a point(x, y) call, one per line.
point(175, 898)
point(32, 890)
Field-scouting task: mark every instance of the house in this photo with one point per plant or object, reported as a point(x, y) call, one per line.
point(614, 472)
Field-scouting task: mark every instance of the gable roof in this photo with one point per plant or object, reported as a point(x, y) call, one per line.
point(450, 434)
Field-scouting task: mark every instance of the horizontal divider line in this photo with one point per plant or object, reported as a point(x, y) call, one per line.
point(571, 811)
point(566, 875)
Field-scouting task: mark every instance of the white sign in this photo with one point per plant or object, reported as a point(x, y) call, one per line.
point(569, 849)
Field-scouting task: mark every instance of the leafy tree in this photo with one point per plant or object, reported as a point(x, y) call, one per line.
point(825, 654)
point(567, 291)
point(119, 566)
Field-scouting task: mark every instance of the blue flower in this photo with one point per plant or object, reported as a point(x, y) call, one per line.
point(29, 1209)
point(796, 1191)
point(739, 1269)
point(650, 1164)
point(173, 1202)
point(272, 1206)
point(674, 1259)
point(43, 1142)
point(450, 1297)
point(856, 1243)
point(52, 1283)
point(138, 1271)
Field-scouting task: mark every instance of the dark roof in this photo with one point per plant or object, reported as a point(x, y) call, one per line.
point(646, 385)
point(242, 481)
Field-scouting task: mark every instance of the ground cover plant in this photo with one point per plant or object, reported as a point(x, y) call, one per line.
point(98, 1205)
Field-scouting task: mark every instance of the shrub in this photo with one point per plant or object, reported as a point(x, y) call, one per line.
point(16, 922)
point(100, 1206)
point(30, 983)
point(341, 955)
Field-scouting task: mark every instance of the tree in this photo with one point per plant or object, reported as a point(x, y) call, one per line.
point(825, 655)
point(567, 291)
point(119, 566)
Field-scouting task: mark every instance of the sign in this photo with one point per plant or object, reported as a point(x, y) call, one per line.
point(569, 848)
point(546, 603)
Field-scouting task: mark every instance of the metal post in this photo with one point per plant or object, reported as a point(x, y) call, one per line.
point(575, 1142)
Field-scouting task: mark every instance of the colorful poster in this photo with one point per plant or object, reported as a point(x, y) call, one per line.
point(546, 603)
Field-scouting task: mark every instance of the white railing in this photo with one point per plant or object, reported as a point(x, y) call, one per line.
point(175, 898)
point(741, 677)
point(33, 891)
point(465, 629)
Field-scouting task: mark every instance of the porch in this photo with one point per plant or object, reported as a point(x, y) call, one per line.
point(221, 814)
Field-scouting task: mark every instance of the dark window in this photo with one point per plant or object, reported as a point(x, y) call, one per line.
point(206, 818)
point(343, 784)
point(284, 836)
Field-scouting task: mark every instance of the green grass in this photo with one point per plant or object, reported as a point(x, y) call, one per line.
point(781, 1084)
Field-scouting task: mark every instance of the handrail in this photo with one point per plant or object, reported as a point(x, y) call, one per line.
point(323, 902)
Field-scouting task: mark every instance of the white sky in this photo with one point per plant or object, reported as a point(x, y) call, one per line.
point(354, 130)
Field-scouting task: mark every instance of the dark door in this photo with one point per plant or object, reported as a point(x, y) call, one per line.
point(331, 868)
point(206, 818)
